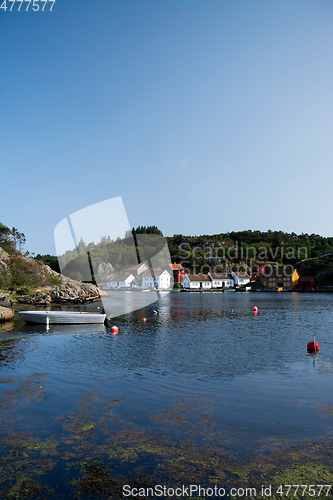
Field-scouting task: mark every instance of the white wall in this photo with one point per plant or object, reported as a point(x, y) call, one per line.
point(222, 282)
point(122, 284)
point(195, 284)
point(160, 282)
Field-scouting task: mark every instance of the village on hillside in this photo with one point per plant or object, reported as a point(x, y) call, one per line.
point(266, 277)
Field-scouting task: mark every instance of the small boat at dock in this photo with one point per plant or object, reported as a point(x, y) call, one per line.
point(62, 317)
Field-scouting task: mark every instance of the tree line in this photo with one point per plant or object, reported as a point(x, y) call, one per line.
point(11, 239)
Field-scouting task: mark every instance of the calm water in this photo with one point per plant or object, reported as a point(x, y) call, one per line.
point(202, 376)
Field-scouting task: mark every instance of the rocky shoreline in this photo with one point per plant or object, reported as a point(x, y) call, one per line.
point(54, 288)
point(72, 293)
point(6, 314)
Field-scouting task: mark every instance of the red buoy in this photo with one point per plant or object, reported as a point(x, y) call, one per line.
point(144, 320)
point(114, 329)
point(313, 346)
point(254, 309)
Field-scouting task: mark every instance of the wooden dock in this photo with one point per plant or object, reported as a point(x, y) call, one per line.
point(6, 314)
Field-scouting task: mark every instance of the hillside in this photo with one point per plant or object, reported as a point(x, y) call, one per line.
point(247, 250)
point(28, 280)
point(244, 251)
point(320, 267)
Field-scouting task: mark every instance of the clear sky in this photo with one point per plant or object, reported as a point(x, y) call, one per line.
point(204, 116)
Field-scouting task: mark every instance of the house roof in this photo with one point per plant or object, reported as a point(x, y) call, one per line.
point(176, 267)
point(240, 274)
point(221, 276)
point(132, 267)
point(199, 277)
point(154, 273)
point(121, 276)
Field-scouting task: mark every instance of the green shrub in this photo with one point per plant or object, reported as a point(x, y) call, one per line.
point(23, 291)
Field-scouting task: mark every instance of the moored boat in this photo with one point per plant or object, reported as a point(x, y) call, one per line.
point(62, 317)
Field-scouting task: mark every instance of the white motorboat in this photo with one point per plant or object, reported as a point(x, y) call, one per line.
point(62, 317)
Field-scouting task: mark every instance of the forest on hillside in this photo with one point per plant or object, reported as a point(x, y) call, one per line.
point(236, 249)
point(244, 249)
point(225, 250)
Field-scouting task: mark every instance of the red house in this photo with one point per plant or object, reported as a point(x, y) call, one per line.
point(178, 272)
point(306, 283)
point(256, 272)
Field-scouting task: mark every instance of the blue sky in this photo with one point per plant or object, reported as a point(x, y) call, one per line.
point(204, 116)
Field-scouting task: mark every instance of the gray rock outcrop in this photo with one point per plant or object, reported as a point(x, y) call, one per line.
point(6, 314)
point(105, 269)
point(65, 291)
point(73, 292)
point(4, 301)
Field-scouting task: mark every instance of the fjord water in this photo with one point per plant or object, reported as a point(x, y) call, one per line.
point(202, 367)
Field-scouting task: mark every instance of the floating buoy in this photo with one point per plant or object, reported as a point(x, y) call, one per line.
point(114, 329)
point(313, 346)
point(255, 309)
point(144, 320)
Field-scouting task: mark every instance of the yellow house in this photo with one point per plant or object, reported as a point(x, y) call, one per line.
point(280, 277)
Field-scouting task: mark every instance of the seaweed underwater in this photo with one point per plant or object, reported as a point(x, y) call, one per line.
point(92, 451)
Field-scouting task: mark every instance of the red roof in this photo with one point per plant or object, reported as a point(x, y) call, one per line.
point(176, 267)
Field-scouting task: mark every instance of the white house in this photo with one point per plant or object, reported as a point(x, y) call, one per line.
point(156, 279)
point(197, 281)
point(240, 278)
point(135, 269)
point(221, 280)
point(121, 280)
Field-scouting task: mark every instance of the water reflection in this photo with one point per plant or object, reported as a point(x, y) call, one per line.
point(202, 378)
point(36, 329)
point(6, 327)
point(120, 302)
